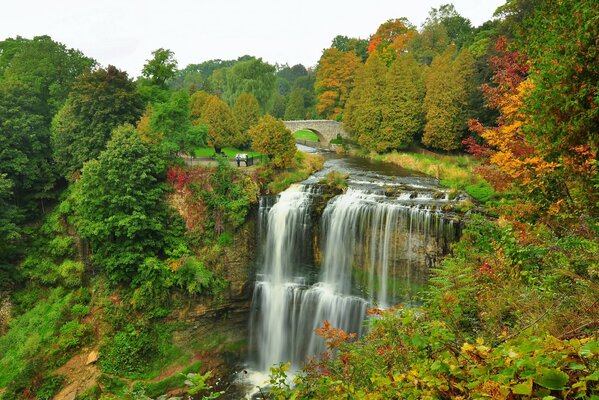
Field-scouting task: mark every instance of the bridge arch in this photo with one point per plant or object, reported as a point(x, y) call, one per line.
point(325, 129)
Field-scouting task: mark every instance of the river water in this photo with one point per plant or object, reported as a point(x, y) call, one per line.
point(334, 258)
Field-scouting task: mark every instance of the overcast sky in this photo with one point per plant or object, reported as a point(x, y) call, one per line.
point(124, 32)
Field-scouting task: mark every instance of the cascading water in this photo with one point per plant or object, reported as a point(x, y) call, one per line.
point(374, 247)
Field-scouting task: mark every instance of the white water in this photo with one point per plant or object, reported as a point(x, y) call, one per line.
point(388, 241)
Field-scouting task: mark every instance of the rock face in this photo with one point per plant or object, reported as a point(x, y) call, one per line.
point(217, 326)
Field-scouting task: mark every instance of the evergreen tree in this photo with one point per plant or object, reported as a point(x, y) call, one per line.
point(99, 102)
point(247, 113)
point(196, 104)
point(295, 109)
point(364, 112)
point(448, 90)
point(222, 128)
point(277, 105)
point(403, 113)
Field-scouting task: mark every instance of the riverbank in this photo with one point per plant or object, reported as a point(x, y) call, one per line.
point(456, 172)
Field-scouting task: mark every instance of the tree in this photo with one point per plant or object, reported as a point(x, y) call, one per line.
point(334, 81)
point(356, 45)
point(99, 102)
point(119, 205)
point(391, 38)
point(172, 122)
point(295, 109)
point(252, 76)
point(403, 110)
point(429, 43)
point(363, 114)
point(196, 103)
point(247, 113)
point(222, 128)
point(24, 142)
point(271, 137)
point(446, 102)
point(277, 104)
point(46, 67)
point(161, 67)
point(459, 29)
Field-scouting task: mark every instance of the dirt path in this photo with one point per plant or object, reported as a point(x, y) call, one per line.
point(80, 376)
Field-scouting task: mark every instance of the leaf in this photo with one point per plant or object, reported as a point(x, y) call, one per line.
point(589, 349)
point(524, 388)
point(553, 379)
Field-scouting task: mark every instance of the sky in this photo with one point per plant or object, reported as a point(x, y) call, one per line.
point(125, 32)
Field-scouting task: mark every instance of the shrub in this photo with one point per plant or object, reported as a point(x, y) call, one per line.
point(127, 352)
point(71, 273)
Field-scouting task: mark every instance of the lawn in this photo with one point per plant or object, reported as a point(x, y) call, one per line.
point(305, 134)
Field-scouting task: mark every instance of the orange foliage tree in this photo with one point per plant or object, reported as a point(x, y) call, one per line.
point(334, 81)
point(391, 38)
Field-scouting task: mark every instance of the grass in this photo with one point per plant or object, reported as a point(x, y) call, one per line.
point(155, 389)
point(305, 134)
point(304, 165)
point(31, 334)
point(453, 171)
point(229, 152)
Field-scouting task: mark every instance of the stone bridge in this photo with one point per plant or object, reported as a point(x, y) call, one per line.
point(325, 129)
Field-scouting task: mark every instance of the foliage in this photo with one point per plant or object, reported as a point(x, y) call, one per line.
point(459, 29)
point(161, 67)
point(363, 114)
point(303, 166)
point(247, 113)
point(118, 205)
point(271, 137)
point(390, 39)
point(403, 112)
point(446, 102)
point(334, 81)
point(222, 127)
point(252, 76)
point(336, 180)
point(295, 109)
point(99, 102)
point(356, 45)
point(197, 384)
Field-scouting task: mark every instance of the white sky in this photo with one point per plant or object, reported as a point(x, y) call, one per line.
point(125, 32)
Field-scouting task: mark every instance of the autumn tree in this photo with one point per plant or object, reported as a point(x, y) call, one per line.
point(448, 87)
point(246, 112)
point(196, 103)
point(363, 115)
point(99, 102)
point(334, 81)
point(403, 111)
point(222, 128)
point(391, 38)
point(271, 137)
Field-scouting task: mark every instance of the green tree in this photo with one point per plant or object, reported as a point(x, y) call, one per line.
point(222, 128)
point(277, 104)
point(356, 45)
point(448, 91)
point(252, 76)
point(172, 121)
point(295, 106)
point(403, 111)
point(160, 68)
point(247, 113)
point(271, 137)
point(46, 67)
point(363, 115)
point(459, 29)
point(429, 43)
point(119, 205)
point(99, 102)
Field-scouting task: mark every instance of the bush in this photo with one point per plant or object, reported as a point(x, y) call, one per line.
point(71, 273)
point(482, 192)
point(127, 352)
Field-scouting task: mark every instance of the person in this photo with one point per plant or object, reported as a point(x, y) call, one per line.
point(238, 157)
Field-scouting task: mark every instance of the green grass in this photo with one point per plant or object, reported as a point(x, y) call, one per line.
point(31, 334)
point(155, 389)
point(229, 152)
point(305, 134)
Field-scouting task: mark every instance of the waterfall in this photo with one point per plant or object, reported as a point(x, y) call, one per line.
point(374, 248)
